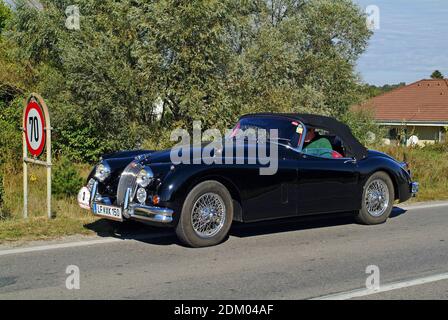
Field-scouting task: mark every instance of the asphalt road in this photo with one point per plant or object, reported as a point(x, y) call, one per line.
point(288, 259)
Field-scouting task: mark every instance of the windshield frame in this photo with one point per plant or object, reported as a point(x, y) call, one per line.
point(301, 141)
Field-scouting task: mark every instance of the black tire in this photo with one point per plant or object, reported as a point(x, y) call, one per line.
point(185, 230)
point(364, 217)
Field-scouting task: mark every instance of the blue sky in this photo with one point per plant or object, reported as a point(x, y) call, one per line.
point(412, 41)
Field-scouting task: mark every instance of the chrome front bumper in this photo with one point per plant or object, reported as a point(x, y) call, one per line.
point(150, 213)
point(134, 211)
point(414, 188)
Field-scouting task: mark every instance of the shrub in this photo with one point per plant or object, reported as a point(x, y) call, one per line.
point(441, 147)
point(10, 135)
point(66, 178)
point(2, 193)
point(5, 213)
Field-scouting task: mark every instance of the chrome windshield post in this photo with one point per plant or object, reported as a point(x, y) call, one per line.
point(301, 143)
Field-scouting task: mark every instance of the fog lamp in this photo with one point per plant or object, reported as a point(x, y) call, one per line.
point(141, 195)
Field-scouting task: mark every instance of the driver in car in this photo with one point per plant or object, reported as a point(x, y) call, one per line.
point(319, 146)
point(314, 140)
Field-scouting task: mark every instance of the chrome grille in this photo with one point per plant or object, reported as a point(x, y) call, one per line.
point(128, 179)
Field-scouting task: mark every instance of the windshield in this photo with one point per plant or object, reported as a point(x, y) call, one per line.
point(289, 131)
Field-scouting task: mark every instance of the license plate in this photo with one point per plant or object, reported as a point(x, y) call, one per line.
point(109, 212)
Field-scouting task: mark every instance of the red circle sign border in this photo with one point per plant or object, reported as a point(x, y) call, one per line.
point(32, 104)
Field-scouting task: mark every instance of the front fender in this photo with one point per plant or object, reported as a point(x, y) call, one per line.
point(400, 177)
point(178, 181)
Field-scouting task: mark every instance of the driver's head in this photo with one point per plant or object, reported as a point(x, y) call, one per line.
point(310, 134)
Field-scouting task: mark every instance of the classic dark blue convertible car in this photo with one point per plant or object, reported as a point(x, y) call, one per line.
point(322, 168)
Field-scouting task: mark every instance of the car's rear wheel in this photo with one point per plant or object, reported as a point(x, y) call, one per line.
point(206, 216)
point(377, 199)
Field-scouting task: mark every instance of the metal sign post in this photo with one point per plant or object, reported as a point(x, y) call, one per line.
point(36, 135)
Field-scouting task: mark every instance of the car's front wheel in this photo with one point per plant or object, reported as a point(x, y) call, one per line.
point(206, 216)
point(377, 199)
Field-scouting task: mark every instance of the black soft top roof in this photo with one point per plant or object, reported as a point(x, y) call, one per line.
point(352, 145)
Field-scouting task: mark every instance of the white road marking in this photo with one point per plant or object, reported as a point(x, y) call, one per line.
point(384, 288)
point(423, 206)
point(77, 244)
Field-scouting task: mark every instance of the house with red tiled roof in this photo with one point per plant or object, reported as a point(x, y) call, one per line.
point(419, 109)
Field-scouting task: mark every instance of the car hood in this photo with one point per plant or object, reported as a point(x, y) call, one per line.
point(145, 157)
point(120, 160)
point(164, 156)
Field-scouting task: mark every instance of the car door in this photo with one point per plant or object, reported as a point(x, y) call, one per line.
point(327, 185)
point(268, 197)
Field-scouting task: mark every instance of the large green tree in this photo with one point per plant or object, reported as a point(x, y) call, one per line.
point(301, 56)
point(208, 60)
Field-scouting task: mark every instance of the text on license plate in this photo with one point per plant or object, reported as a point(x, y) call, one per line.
point(108, 212)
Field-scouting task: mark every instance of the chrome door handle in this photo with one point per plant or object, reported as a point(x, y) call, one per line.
point(350, 161)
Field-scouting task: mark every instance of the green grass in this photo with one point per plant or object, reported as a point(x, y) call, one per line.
point(429, 166)
point(69, 218)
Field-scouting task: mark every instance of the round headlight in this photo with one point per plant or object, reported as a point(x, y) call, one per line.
point(102, 171)
point(90, 184)
point(141, 195)
point(144, 177)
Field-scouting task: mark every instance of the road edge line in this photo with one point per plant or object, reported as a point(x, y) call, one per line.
point(384, 288)
point(423, 205)
point(75, 244)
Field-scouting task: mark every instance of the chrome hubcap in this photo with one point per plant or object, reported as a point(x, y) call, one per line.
point(377, 198)
point(208, 215)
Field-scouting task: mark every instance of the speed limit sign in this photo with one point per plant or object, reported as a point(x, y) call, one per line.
point(36, 140)
point(34, 128)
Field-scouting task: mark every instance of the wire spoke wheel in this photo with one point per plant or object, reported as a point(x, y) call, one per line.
point(208, 215)
point(377, 198)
